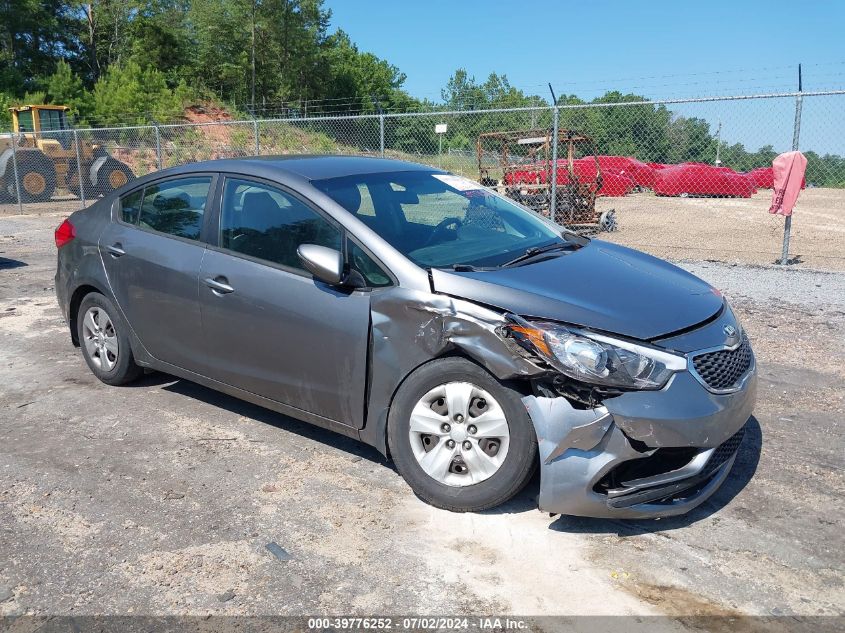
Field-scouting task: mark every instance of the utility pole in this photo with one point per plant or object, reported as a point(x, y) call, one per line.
point(92, 39)
point(718, 143)
point(252, 56)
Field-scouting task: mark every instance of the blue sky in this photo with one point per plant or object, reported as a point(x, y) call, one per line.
point(657, 49)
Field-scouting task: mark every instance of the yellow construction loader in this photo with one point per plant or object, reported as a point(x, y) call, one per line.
point(44, 158)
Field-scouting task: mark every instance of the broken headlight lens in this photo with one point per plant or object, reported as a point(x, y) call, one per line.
point(594, 358)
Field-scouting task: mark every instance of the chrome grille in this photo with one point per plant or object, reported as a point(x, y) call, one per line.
point(722, 370)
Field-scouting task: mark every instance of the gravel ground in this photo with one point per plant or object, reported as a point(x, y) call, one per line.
point(734, 230)
point(161, 498)
point(812, 289)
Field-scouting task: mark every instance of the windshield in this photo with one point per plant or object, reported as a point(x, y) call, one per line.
point(440, 220)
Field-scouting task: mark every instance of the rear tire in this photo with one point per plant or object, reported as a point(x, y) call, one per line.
point(103, 337)
point(472, 474)
point(37, 177)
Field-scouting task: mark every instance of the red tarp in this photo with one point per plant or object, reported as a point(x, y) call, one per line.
point(762, 177)
point(622, 174)
point(699, 179)
point(641, 173)
point(614, 183)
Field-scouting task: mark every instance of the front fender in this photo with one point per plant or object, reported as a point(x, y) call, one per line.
point(412, 327)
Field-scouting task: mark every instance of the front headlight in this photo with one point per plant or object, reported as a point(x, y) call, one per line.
point(594, 358)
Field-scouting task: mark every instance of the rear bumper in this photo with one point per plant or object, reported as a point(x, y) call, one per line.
point(61, 293)
point(642, 454)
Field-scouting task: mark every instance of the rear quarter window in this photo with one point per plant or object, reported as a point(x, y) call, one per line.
point(130, 206)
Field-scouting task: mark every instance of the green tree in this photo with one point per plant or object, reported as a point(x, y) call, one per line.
point(355, 79)
point(159, 37)
point(128, 93)
point(104, 28)
point(64, 87)
point(34, 34)
point(5, 116)
point(690, 141)
point(220, 59)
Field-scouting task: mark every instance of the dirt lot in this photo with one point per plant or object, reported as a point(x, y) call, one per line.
point(161, 498)
point(735, 230)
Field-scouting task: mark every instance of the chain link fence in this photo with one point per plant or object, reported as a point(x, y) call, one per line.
point(678, 178)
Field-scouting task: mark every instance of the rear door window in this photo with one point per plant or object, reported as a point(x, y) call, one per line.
point(175, 207)
point(130, 206)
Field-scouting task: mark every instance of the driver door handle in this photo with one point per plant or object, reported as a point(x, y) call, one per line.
point(219, 285)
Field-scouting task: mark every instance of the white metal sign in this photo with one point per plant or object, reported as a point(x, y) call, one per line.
point(440, 128)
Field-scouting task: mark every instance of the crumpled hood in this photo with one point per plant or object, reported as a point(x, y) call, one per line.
point(602, 286)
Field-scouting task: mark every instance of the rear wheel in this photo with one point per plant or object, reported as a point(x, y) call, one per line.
point(37, 177)
point(461, 439)
point(105, 342)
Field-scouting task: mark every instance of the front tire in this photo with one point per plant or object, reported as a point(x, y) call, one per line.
point(104, 341)
point(461, 439)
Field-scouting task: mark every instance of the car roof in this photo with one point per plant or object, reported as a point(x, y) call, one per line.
point(305, 166)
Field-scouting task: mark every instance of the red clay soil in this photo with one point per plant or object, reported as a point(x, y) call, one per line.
point(206, 114)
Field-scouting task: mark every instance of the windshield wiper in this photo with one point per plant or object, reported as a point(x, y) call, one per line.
point(537, 250)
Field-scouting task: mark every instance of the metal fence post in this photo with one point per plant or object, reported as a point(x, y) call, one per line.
point(796, 134)
point(555, 131)
point(79, 175)
point(158, 145)
point(15, 169)
point(381, 133)
point(257, 142)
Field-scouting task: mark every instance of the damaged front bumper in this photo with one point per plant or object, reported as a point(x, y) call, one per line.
point(643, 454)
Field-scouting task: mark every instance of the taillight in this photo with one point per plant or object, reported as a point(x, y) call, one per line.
point(64, 233)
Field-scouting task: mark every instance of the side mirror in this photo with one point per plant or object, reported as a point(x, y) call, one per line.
point(326, 264)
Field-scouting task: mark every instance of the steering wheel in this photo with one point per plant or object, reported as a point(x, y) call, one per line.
point(442, 227)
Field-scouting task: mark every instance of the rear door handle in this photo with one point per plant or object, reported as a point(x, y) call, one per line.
point(116, 250)
point(219, 285)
